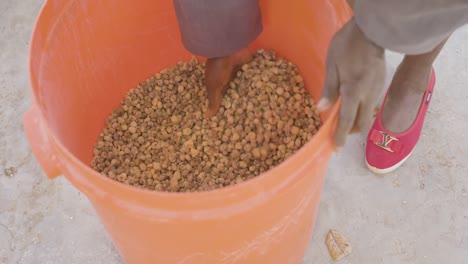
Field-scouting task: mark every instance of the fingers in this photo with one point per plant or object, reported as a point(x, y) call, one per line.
point(348, 111)
point(213, 107)
point(331, 87)
point(214, 91)
point(373, 84)
point(364, 116)
point(353, 68)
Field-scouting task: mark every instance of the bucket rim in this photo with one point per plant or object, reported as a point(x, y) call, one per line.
point(253, 187)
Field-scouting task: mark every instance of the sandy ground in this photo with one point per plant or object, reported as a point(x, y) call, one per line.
point(416, 215)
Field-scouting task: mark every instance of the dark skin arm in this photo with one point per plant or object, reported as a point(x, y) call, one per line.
point(218, 74)
point(355, 71)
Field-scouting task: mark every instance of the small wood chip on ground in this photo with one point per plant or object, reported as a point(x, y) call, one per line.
point(338, 245)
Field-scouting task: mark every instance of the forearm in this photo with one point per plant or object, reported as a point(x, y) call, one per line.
point(410, 26)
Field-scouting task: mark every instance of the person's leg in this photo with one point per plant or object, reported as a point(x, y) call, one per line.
point(219, 30)
point(407, 89)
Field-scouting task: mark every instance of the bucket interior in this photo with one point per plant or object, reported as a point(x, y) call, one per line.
point(86, 55)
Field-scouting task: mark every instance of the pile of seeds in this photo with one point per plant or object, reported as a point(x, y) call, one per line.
point(159, 139)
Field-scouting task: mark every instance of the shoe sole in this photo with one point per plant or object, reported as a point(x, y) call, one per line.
point(387, 170)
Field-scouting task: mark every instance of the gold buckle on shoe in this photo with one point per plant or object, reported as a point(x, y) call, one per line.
point(386, 140)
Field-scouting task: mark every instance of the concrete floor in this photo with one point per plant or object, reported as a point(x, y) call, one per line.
point(416, 215)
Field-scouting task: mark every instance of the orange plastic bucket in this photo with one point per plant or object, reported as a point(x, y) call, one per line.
point(86, 55)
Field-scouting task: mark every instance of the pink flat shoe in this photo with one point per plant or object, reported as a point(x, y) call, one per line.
point(386, 151)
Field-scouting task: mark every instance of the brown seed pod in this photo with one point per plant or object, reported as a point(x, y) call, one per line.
point(160, 140)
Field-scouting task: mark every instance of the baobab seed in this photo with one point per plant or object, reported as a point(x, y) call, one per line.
point(159, 139)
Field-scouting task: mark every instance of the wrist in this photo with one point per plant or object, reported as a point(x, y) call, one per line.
point(362, 37)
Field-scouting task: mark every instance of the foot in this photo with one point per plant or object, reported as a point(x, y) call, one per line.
point(218, 74)
point(387, 148)
point(404, 97)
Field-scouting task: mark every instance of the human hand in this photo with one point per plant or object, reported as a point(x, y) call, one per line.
point(355, 71)
point(218, 74)
point(217, 77)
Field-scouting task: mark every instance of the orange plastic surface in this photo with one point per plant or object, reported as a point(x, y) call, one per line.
point(87, 54)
